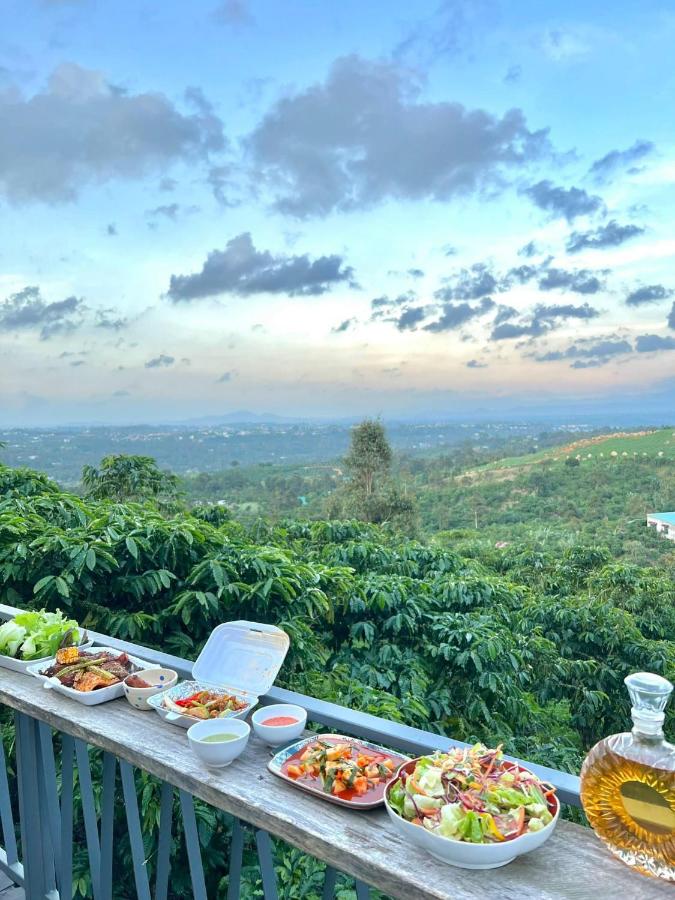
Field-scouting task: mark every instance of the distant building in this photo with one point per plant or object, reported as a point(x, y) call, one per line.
point(664, 523)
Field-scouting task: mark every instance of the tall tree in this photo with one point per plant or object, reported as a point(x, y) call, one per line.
point(369, 455)
point(371, 494)
point(124, 477)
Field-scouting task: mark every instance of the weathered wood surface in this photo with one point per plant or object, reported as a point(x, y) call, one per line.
point(571, 866)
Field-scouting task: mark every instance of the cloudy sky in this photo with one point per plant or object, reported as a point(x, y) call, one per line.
point(319, 208)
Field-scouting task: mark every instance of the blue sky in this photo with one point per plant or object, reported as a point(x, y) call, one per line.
point(328, 209)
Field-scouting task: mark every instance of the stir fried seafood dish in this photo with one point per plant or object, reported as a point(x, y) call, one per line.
point(344, 770)
point(89, 670)
point(206, 705)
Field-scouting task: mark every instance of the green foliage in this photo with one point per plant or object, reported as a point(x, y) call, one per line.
point(130, 478)
point(526, 643)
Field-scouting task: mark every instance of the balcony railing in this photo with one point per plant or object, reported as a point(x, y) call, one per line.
point(361, 845)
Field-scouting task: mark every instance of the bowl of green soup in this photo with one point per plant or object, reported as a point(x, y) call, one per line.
point(218, 741)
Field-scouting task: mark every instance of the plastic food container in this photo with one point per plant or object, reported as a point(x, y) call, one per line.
point(88, 698)
point(240, 658)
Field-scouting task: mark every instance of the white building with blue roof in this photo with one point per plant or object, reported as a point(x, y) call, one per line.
point(664, 523)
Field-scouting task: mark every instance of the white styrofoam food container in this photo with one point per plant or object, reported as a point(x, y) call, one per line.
point(241, 658)
point(88, 698)
point(22, 665)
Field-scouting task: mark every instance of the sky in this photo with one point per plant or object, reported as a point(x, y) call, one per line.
point(335, 209)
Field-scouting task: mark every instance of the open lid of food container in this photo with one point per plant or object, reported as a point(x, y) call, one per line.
point(243, 656)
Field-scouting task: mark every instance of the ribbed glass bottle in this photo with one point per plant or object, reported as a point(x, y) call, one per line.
point(628, 784)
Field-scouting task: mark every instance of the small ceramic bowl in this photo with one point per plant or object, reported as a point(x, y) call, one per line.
point(158, 679)
point(218, 754)
point(279, 734)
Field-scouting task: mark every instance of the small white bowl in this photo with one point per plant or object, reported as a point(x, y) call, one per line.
point(279, 734)
point(219, 753)
point(158, 679)
point(463, 854)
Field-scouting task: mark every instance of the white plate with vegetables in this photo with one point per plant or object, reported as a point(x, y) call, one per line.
point(34, 637)
point(471, 807)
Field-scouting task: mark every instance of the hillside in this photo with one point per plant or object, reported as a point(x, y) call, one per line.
point(596, 489)
point(657, 444)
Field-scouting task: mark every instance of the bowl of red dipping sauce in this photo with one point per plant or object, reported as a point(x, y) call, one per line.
point(279, 723)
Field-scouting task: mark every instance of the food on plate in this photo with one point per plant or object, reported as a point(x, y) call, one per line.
point(280, 721)
point(473, 795)
point(89, 670)
point(343, 769)
point(36, 635)
point(205, 705)
point(135, 681)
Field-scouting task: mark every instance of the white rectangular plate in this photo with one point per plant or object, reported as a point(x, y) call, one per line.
point(185, 689)
point(88, 698)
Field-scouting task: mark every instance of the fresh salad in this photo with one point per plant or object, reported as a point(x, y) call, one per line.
point(38, 635)
point(472, 795)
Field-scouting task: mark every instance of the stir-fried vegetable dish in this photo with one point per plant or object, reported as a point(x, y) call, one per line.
point(89, 670)
point(36, 635)
point(206, 705)
point(345, 770)
point(473, 795)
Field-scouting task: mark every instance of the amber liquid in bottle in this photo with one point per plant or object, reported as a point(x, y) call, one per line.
point(628, 785)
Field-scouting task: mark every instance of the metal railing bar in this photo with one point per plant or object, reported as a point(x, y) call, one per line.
point(236, 860)
point(134, 829)
point(6, 815)
point(164, 841)
point(67, 790)
point(48, 839)
point(89, 814)
point(29, 807)
point(266, 860)
point(329, 883)
point(48, 772)
point(414, 741)
point(187, 807)
point(107, 822)
point(362, 890)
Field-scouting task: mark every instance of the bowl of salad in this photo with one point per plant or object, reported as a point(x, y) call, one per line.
point(471, 807)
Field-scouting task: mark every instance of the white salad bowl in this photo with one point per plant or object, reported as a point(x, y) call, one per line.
point(218, 755)
point(158, 679)
point(462, 853)
point(274, 735)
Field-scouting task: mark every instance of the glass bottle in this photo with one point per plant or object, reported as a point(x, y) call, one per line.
point(628, 784)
